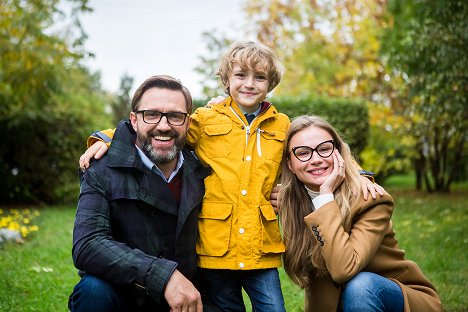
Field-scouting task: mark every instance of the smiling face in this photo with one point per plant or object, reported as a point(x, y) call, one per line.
point(314, 171)
point(247, 87)
point(161, 142)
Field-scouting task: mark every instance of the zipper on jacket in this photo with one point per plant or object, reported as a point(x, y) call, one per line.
point(247, 127)
point(247, 133)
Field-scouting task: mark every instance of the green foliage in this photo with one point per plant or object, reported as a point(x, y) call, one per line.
point(426, 42)
point(40, 157)
point(390, 148)
point(386, 154)
point(48, 102)
point(121, 103)
point(199, 103)
point(328, 47)
point(349, 116)
point(216, 43)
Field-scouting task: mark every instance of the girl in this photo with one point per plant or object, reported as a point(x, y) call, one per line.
point(340, 248)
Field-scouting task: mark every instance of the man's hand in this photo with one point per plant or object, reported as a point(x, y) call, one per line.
point(181, 295)
point(274, 197)
point(97, 150)
point(368, 186)
point(214, 101)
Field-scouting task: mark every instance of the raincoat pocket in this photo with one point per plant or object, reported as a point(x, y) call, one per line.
point(271, 236)
point(216, 141)
point(214, 228)
point(272, 147)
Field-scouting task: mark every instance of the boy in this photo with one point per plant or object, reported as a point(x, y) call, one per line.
point(241, 139)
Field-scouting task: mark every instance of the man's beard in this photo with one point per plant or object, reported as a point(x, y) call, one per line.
point(161, 156)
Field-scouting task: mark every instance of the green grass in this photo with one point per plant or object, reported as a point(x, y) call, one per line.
point(431, 228)
point(39, 275)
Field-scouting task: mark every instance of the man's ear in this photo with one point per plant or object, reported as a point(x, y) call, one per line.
point(133, 120)
point(189, 121)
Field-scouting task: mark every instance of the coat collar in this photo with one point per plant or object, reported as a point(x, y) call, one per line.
point(123, 154)
point(267, 111)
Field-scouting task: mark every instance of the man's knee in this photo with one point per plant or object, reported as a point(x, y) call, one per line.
point(93, 294)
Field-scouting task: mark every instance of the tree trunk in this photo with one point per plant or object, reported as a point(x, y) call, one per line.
point(429, 188)
point(419, 164)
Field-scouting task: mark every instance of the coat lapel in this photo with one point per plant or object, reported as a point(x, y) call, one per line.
point(192, 188)
point(154, 191)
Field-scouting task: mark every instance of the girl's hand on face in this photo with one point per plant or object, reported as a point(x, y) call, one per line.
point(337, 176)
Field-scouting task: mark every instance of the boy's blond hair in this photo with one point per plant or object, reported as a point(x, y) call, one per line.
point(250, 55)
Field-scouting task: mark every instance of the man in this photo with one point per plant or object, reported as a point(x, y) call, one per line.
point(136, 222)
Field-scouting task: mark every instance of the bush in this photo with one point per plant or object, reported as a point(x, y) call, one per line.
point(39, 157)
point(391, 149)
point(349, 116)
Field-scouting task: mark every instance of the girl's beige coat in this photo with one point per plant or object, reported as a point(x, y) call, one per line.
point(369, 246)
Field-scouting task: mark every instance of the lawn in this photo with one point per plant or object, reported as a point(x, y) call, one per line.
point(39, 274)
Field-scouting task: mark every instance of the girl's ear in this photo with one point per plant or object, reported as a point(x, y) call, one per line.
point(289, 166)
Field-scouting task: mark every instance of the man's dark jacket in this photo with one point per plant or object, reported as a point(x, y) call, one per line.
point(128, 229)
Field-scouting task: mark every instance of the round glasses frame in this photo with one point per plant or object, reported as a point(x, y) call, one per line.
point(173, 118)
point(304, 153)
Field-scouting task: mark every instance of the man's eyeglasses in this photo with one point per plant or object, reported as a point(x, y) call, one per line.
point(304, 153)
point(154, 117)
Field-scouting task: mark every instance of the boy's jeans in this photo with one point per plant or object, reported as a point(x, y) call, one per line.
point(224, 288)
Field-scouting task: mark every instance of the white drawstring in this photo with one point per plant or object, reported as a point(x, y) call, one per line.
point(259, 147)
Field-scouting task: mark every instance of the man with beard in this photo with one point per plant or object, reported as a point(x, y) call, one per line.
point(136, 221)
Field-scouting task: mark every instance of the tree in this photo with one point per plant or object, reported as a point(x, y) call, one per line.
point(121, 103)
point(49, 102)
point(216, 43)
point(426, 43)
point(329, 47)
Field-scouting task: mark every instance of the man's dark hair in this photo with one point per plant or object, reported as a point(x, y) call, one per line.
point(162, 82)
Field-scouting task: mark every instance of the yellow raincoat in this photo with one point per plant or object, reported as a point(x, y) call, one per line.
point(238, 228)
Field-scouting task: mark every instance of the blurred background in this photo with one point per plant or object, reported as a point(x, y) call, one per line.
point(391, 75)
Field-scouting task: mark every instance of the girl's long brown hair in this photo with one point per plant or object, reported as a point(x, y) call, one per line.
point(303, 256)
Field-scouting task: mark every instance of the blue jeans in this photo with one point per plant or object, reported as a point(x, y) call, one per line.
point(372, 292)
point(224, 288)
point(93, 294)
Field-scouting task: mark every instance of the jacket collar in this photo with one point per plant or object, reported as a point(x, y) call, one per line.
point(267, 111)
point(122, 152)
